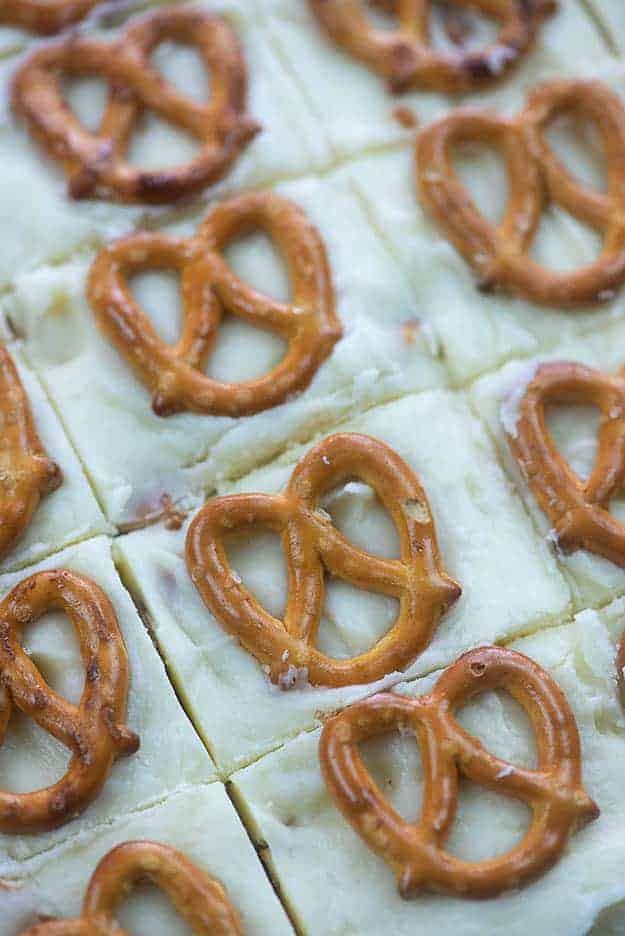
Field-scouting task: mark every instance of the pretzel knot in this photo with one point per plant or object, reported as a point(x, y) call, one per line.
point(312, 544)
point(175, 375)
point(405, 58)
point(553, 791)
point(93, 730)
point(200, 900)
point(500, 255)
point(94, 162)
point(26, 474)
point(44, 16)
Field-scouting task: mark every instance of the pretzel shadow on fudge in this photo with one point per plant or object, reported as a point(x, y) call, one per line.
point(312, 545)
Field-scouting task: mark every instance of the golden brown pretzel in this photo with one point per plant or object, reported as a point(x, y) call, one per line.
point(93, 730)
point(405, 58)
point(312, 544)
point(94, 162)
point(175, 375)
point(26, 474)
point(44, 16)
point(500, 255)
point(200, 900)
point(415, 851)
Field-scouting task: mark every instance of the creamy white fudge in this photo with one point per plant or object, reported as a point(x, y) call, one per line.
point(170, 753)
point(478, 331)
point(132, 456)
point(47, 226)
point(69, 514)
point(511, 584)
point(199, 821)
point(496, 398)
point(313, 850)
point(351, 101)
point(611, 15)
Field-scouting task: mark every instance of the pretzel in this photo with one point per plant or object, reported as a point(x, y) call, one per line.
point(94, 162)
point(312, 544)
point(26, 474)
point(404, 57)
point(93, 730)
point(44, 16)
point(175, 375)
point(499, 255)
point(200, 900)
point(416, 852)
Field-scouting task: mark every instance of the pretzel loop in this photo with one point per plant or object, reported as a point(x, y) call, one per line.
point(553, 791)
point(499, 255)
point(94, 162)
point(312, 545)
point(175, 375)
point(404, 57)
point(44, 16)
point(26, 474)
point(93, 730)
point(200, 900)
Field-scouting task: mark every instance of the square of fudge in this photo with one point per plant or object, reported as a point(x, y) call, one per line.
point(357, 112)
point(70, 513)
point(315, 854)
point(487, 543)
point(197, 820)
point(47, 226)
point(135, 458)
point(170, 752)
point(496, 397)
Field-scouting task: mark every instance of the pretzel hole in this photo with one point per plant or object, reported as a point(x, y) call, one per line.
point(578, 145)
point(353, 620)
point(359, 514)
point(182, 66)
point(258, 560)
point(574, 430)
point(158, 294)
point(158, 144)
point(551, 246)
point(487, 824)
point(394, 763)
point(255, 260)
point(147, 911)
point(86, 96)
point(482, 171)
point(502, 726)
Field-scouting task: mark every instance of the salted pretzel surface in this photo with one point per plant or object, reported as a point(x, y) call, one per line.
point(44, 16)
point(93, 731)
point(95, 162)
point(406, 59)
point(312, 545)
point(416, 851)
point(26, 473)
point(500, 255)
point(175, 374)
point(200, 900)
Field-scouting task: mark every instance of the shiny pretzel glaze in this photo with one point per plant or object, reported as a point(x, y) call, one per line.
point(500, 255)
point(44, 16)
point(93, 730)
point(94, 162)
point(416, 852)
point(405, 58)
point(175, 374)
point(312, 544)
point(26, 474)
point(201, 901)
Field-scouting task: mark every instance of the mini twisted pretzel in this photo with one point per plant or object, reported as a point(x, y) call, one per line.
point(44, 16)
point(175, 375)
point(200, 900)
point(500, 255)
point(404, 57)
point(26, 474)
point(416, 852)
point(94, 162)
point(93, 730)
point(311, 544)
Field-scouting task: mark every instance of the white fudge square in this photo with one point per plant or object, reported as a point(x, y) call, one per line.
point(67, 515)
point(199, 821)
point(487, 544)
point(352, 104)
point(313, 850)
point(48, 226)
point(170, 752)
point(594, 580)
point(133, 457)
